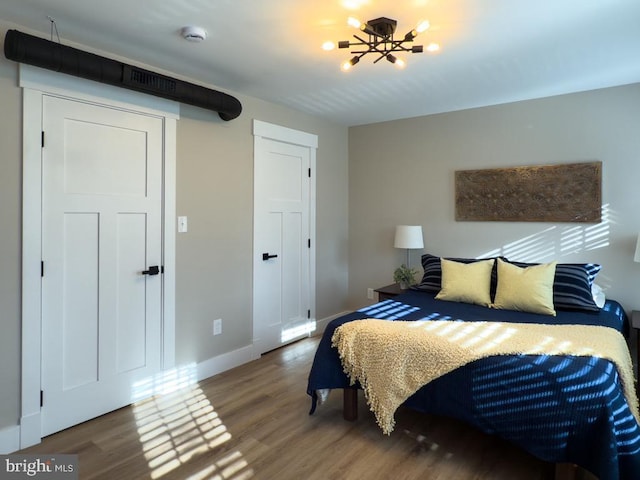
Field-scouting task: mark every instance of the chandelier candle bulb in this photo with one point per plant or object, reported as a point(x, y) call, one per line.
point(354, 22)
point(328, 46)
point(410, 36)
point(350, 63)
point(423, 26)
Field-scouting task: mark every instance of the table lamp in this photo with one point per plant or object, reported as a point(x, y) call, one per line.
point(408, 237)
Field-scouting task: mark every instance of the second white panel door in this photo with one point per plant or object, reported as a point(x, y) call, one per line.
point(281, 243)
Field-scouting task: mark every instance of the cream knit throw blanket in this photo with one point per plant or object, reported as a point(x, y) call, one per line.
point(393, 359)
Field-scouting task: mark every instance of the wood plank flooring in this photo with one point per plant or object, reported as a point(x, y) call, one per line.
point(252, 422)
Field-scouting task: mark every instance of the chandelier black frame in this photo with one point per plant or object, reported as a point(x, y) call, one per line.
point(380, 41)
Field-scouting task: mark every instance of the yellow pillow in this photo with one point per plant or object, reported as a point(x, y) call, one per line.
point(527, 289)
point(466, 282)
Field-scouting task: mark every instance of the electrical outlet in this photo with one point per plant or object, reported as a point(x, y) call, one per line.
point(217, 326)
point(370, 293)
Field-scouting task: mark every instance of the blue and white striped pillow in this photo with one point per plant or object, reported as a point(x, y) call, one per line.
point(432, 277)
point(572, 285)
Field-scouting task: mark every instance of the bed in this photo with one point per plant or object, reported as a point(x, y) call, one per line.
point(564, 409)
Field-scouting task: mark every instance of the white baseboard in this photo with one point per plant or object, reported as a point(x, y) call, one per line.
point(225, 362)
point(30, 429)
point(9, 440)
point(322, 323)
point(229, 360)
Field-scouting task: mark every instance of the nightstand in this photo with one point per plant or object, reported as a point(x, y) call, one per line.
point(635, 324)
point(390, 291)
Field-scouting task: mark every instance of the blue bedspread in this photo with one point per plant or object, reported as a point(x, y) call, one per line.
point(558, 408)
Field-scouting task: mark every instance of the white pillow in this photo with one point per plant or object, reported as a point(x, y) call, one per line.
point(598, 295)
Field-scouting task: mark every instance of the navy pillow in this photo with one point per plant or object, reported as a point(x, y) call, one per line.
point(432, 277)
point(572, 285)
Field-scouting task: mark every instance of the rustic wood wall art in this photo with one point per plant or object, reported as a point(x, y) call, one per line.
point(544, 193)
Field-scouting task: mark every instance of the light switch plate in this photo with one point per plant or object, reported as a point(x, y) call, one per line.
point(182, 224)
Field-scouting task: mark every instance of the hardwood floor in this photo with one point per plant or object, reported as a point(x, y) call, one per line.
point(252, 422)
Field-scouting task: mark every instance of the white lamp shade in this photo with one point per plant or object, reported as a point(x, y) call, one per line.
point(636, 257)
point(408, 236)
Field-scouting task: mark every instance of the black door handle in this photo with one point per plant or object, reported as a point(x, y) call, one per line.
point(266, 256)
point(153, 270)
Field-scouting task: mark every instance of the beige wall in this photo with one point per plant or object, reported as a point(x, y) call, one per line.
point(215, 185)
point(402, 172)
point(215, 190)
point(10, 241)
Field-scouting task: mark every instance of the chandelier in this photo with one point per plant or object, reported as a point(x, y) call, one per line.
point(381, 42)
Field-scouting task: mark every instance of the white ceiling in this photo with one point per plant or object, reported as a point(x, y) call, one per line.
point(492, 51)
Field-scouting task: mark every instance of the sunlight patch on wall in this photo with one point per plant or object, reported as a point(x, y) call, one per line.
point(178, 424)
point(557, 240)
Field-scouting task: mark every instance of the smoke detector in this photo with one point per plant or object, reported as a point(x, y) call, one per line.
point(193, 34)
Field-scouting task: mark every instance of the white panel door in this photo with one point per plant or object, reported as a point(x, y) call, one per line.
point(101, 215)
point(281, 243)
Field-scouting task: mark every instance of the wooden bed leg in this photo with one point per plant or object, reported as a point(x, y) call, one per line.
point(350, 404)
point(565, 471)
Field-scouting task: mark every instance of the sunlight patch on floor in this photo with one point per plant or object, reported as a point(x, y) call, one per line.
point(233, 466)
point(179, 424)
